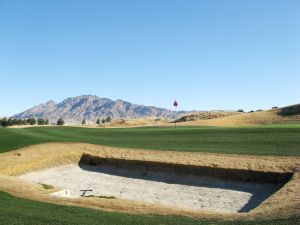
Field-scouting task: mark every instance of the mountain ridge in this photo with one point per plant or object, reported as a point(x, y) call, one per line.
point(92, 107)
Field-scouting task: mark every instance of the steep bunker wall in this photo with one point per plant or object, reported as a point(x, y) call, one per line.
point(190, 170)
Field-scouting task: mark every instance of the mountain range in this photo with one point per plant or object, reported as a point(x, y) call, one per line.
point(92, 107)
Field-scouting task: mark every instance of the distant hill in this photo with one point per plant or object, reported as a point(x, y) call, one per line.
point(206, 115)
point(290, 110)
point(91, 107)
point(289, 114)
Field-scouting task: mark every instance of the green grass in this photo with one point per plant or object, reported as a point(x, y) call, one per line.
point(47, 186)
point(262, 140)
point(16, 211)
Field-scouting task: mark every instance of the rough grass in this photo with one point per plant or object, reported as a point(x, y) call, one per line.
point(16, 211)
point(261, 140)
point(289, 114)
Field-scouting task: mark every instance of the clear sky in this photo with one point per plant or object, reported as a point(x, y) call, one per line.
point(206, 54)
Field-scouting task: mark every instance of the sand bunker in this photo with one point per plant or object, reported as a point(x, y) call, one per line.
point(170, 189)
point(197, 185)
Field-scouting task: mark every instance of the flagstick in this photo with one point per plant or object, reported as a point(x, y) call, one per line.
point(175, 105)
point(176, 119)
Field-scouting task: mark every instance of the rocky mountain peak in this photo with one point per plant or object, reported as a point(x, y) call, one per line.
point(92, 107)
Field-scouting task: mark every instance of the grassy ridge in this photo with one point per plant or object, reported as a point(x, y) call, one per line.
point(263, 140)
point(15, 211)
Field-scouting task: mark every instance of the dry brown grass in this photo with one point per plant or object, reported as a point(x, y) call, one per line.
point(206, 115)
point(283, 203)
point(247, 119)
point(138, 122)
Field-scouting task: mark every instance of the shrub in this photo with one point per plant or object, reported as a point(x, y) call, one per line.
point(60, 122)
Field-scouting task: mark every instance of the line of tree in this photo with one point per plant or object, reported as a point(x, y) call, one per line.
point(107, 120)
point(6, 122)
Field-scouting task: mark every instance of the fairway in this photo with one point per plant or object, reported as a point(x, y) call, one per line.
point(282, 140)
point(279, 140)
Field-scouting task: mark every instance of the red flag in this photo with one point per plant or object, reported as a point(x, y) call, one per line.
point(175, 104)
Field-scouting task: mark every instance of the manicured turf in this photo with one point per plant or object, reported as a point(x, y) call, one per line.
point(15, 211)
point(266, 140)
point(263, 140)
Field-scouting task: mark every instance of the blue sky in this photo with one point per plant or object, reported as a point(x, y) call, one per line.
point(206, 54)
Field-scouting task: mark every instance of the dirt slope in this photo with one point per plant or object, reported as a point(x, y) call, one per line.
point(136, 122)
point(206, 115)
point(275, 116)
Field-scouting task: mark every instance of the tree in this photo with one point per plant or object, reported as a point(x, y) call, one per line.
point(10, 122)
point(98, 121)
point(240, 110)
point(41, 121)
point(31, 121)
point(4, 122)
point(60, 122)
point(83, 121)
point(103, 121)
point(108, 119)
point(19, 122)
point(47, 122)
point(14, 121)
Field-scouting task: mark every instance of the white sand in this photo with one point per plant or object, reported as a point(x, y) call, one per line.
point(168, 189)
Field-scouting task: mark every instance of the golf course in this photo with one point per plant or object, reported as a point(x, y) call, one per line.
point(264, 141)
point(164, 112)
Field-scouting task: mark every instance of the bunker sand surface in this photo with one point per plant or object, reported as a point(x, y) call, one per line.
point(97, 159)
point(156, 187)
